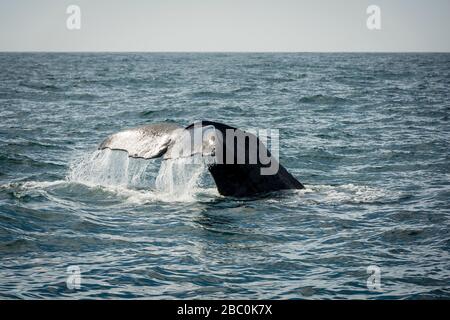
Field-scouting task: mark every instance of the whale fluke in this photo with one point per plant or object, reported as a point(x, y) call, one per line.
point(147, 142)
point(241, 166)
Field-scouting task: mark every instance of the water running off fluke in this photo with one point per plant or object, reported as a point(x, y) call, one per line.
point(178, 178)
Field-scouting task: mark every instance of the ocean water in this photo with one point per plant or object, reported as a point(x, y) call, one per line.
point(367, 134)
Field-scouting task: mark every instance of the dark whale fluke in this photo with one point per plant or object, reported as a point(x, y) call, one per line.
point(242, 180)
point(242, 164)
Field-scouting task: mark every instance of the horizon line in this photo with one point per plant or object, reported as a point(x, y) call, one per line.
point(211, 51)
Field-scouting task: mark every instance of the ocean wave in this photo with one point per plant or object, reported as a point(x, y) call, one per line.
point(344, 194)
point(211, 94)
point(319, 194)
point(323, 99)
point(279, 79)
point(41, 86)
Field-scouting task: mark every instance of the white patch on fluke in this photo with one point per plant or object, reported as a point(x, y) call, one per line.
point(144, 142)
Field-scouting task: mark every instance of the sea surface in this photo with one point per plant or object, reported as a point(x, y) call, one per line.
point(367, 134)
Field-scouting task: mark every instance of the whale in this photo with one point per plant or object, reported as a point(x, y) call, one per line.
point(239, 162)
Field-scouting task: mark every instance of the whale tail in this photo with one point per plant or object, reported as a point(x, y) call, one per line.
point(241, 167)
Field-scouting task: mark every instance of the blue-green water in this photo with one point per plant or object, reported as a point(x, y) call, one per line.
point(368, 135)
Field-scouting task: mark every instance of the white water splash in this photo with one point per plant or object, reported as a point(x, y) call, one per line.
point(180, 177)
point(107, 168)
point(347, 193)
point(176, 180)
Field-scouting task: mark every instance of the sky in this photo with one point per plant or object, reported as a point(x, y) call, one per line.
point(225, 25)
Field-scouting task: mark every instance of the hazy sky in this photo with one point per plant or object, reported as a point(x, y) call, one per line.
point(224, 25)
